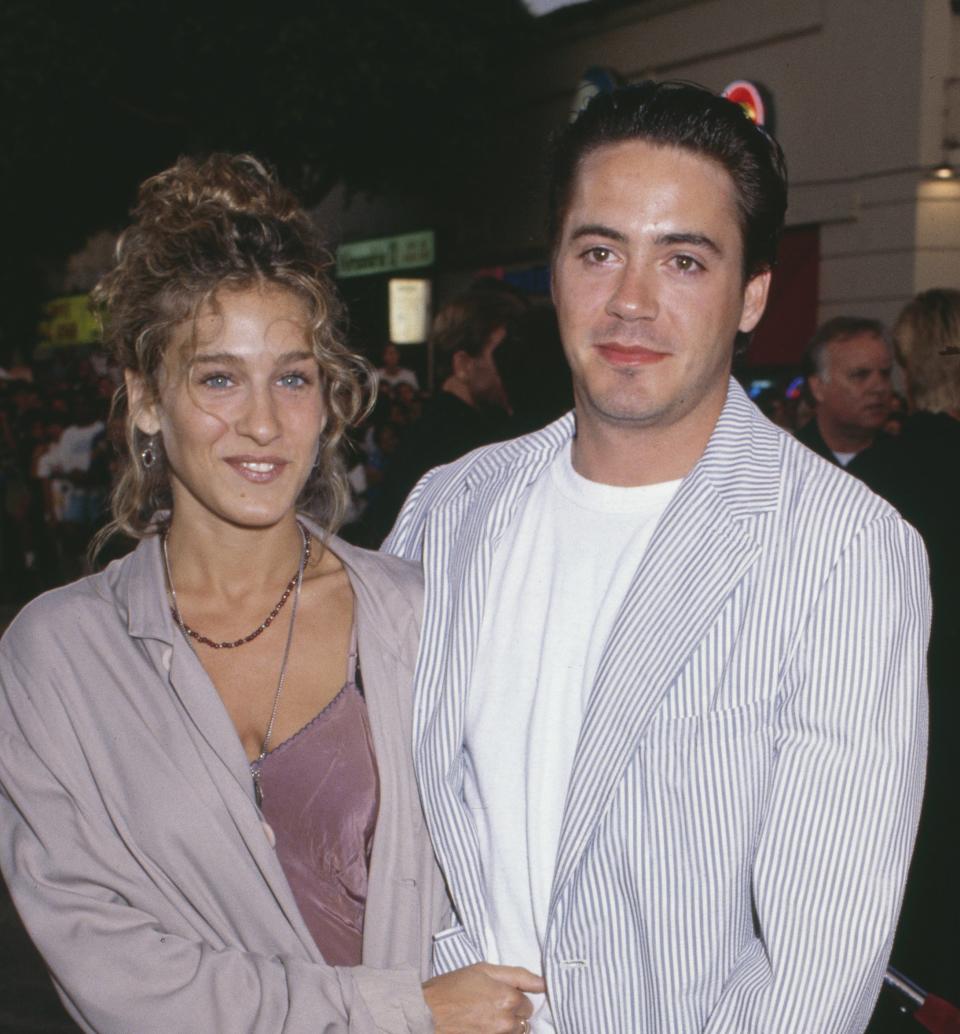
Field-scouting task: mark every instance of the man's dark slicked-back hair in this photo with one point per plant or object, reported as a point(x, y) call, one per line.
point(684, 115)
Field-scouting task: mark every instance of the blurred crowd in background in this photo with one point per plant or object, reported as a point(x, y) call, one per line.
point(498, 371)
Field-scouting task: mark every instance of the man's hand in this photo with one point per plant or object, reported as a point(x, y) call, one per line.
point(482, 999)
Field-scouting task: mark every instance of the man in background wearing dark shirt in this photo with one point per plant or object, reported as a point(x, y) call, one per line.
point(848, 364)
point(470, 408)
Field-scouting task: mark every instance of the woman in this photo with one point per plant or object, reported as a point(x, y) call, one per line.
point(209, 821)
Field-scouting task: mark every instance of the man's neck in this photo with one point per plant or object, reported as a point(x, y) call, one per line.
point(844, 439)
point(457, 388)
point(634, 455)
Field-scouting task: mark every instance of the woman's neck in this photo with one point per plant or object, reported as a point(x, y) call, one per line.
point(220, 559)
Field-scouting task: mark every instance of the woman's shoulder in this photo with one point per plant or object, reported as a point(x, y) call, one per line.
point(56, 618)
point(389, 594)
point(381, 572)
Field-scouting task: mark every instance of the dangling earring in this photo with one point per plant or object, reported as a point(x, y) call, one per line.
point(148, 455)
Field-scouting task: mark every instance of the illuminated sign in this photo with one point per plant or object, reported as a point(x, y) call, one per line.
point(749, 97)
point(595, 80)
point(409, 311)
point(69, 321)
point(385, 254)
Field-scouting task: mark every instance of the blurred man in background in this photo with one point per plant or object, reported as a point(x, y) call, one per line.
point(848, 364)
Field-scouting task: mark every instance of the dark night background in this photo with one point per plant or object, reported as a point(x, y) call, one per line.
point(385, 96)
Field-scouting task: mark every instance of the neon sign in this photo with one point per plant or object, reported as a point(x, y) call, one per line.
point(748, 96)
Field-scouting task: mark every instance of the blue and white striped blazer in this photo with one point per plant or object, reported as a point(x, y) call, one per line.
point(747, 782)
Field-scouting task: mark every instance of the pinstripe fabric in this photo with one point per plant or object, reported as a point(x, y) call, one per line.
point(747, 781)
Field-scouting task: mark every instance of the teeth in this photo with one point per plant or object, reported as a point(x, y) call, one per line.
point(258, 468)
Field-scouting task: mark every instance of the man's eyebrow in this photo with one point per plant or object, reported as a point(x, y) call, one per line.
point(598, 230)
point(696, 240)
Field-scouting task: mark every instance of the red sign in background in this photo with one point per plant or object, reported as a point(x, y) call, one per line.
point(791, 316)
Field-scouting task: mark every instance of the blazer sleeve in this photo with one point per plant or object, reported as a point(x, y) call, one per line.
point(114, 965)
point(832, 857)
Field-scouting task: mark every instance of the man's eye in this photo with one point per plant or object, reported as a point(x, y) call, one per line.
point(686, 263)
point(598, 254)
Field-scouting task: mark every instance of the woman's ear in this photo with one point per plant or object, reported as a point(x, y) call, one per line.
point(145, 416)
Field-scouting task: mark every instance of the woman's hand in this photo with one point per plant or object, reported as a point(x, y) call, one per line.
point(482, 999)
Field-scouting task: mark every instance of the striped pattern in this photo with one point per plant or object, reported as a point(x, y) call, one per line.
point(748, 777)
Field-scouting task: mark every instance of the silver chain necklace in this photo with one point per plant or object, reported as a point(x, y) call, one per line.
point(255, 765)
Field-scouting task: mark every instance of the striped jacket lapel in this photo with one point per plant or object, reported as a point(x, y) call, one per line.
point(701, 550)
point(458, 546)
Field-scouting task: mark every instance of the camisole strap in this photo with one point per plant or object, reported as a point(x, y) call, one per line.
point(353, 660)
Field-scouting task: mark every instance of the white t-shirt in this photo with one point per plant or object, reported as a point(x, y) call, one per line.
point(843, 458)
point(74, 451)
point(558, 577)
point(402, 376)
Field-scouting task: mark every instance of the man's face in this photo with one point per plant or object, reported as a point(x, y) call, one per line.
point(483, 378)
point(648, 285)
point(391, 357)
point(854, 392)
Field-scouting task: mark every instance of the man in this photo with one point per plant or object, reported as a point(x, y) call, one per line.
point(848, 364)
point(469, 410)
point(392, 374)
point(670, 716)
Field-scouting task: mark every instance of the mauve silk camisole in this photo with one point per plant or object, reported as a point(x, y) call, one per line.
point(320, 798)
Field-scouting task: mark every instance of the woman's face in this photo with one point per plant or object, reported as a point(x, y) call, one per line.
point(240, 410)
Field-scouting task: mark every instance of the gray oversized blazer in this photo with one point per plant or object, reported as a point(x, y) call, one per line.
point(131, 842)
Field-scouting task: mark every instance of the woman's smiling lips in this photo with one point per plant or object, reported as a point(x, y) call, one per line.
point(628, 355)
point(259, 469)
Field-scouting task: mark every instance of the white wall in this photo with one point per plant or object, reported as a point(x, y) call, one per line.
point(860, 89)
point(864, 91)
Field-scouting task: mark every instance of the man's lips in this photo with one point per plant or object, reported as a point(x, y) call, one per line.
point(259, 469)
point(628, 355)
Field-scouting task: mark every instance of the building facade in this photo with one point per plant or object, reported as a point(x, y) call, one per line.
point(865, 98)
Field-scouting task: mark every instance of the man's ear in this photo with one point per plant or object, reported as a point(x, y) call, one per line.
point(145, 413)
point(460, 365)
point(754, 300)
point(815, 383)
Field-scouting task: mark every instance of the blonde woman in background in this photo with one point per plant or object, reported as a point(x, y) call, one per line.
point(927, 340)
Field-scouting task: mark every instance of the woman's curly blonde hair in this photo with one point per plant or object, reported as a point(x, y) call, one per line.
point(199, 227)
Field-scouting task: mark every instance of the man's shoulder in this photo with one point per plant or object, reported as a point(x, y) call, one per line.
point(490, 470)
point(816, 490)
point(809, 436)
point(491, 462)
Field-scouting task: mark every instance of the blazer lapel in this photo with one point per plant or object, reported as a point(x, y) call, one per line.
point(698, 554)
point(458, 547)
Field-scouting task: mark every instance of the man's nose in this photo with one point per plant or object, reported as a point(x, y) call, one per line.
point(879, 384)
point(634, 295)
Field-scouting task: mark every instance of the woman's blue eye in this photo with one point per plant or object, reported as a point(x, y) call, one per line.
point(217, 380)
point(293, 380)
